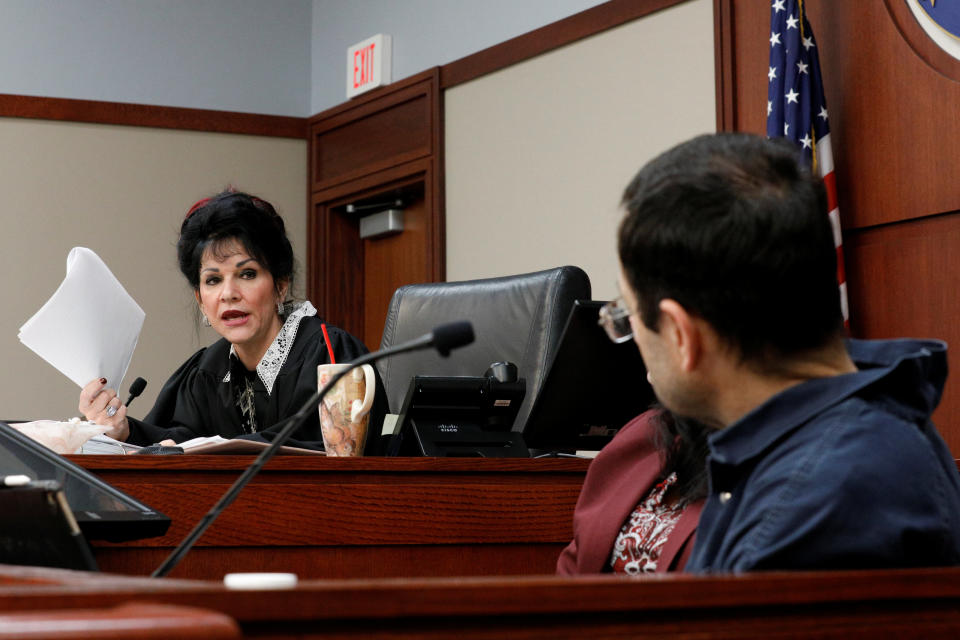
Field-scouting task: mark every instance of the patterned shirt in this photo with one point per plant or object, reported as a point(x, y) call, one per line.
point(640, 541)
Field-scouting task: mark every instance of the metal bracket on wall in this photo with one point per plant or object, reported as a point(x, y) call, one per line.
point(385, 223)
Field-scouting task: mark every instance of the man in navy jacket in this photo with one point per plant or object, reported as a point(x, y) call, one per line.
point(824, 455)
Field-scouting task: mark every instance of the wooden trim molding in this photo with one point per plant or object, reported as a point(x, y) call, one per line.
point(143, 115)
point(373, 96)
point(552, 36)
point(723, 63)
point(371, 122)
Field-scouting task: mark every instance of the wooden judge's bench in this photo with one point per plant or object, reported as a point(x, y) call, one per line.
point(423, 548)
point(324, 517)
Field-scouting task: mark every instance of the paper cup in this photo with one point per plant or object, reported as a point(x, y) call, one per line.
point(345, 409)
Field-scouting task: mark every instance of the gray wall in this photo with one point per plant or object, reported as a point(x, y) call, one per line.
point(281, 57)
point(233, 55)
point(425, 33)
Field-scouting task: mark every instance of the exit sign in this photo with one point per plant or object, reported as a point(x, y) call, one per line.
point(368, 65)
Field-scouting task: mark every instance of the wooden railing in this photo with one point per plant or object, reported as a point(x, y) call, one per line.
point(916, 603)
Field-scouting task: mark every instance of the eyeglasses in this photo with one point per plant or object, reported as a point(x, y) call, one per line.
point(615, 320)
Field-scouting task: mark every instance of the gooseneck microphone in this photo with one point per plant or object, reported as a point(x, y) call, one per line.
point(136, 389)
point(447, 337)
point(443, 338)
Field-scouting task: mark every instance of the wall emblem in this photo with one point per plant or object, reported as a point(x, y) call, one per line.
point(940, 20)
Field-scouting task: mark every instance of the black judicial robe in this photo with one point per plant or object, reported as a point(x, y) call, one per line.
point(196, 401)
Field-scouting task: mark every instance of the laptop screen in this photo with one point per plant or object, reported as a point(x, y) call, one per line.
point(593, 387)
point(101, 511)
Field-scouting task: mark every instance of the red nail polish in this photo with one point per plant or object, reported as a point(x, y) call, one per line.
point(103, 381)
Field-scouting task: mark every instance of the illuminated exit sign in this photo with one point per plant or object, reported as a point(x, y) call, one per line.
point(368, 65)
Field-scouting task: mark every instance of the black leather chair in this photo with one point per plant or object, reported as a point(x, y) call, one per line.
point(515, 318)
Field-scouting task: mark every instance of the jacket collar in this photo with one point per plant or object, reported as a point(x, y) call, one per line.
point(276, 355)
point(912, 372)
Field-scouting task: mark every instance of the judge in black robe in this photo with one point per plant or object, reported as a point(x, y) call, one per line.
point(199, 399)
point(234, 252)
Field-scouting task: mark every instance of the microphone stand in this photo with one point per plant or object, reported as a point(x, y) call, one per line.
point(292, 423)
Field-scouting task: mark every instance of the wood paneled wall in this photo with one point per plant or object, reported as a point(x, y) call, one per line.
point(892, 96)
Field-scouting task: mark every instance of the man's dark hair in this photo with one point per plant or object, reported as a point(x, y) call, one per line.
point(735, 229)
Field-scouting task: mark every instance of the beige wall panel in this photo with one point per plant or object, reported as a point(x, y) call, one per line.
point(122, 192)
point(537, 155)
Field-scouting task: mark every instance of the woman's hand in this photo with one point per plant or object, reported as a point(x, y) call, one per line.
point(102, 406)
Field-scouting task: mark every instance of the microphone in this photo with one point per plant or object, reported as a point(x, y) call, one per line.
point(443, 338)
point(136, 389)
point(451, 335)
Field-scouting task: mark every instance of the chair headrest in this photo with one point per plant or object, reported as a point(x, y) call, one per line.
point(517, 318)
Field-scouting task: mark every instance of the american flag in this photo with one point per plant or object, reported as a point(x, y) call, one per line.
point(797, 108)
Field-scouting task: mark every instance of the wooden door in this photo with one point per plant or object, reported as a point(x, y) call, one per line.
point(383, 147)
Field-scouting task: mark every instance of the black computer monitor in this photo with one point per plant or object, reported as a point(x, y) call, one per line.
point(101, 511)
point(593, 387)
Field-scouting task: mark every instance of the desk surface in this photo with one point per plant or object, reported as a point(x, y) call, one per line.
point(350, 517)
point(921, 603)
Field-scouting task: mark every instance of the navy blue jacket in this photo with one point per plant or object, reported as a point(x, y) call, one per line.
point(839, 472)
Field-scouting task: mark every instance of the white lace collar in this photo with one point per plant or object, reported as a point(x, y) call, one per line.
point(272, 361)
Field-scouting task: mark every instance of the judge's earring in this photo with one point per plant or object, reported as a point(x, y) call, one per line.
point(279, 307)
point(206, 320)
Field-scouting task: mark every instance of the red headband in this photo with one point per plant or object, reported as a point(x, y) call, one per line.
point(199, 204)
point(257, 202)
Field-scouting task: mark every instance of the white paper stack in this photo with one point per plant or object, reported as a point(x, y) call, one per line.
point(90, 326)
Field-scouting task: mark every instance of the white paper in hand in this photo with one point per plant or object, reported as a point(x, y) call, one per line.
point(89, 328)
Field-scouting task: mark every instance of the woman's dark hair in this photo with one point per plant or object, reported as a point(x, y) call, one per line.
point(683, 449)
point(233, 216)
